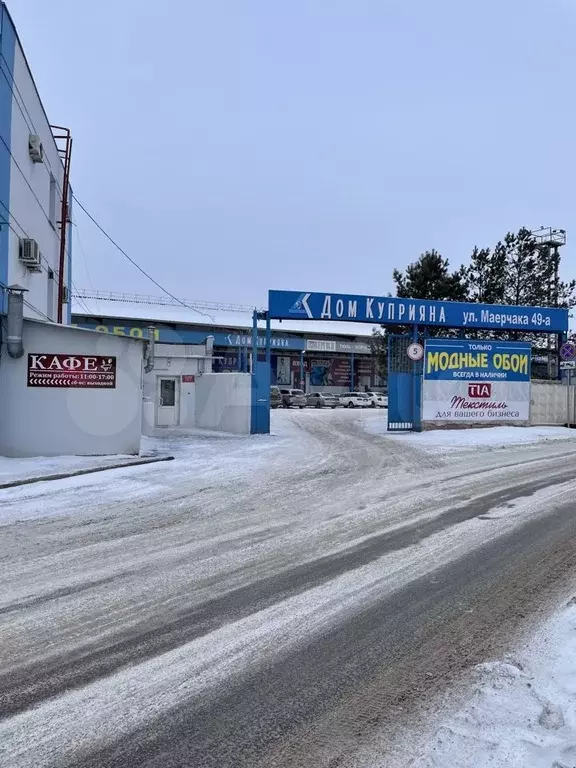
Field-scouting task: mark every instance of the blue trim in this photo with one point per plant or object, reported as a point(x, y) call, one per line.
point(7, 48)
point(181, 334)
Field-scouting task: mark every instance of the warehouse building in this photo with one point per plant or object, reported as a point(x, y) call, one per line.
point(319, 356)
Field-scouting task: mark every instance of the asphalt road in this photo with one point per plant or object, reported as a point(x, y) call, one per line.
point(276, 619)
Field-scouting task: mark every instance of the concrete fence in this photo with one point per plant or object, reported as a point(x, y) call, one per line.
point(552, 403)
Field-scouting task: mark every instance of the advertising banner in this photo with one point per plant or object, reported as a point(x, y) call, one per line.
point(476, 381)
point(340, 372)
point(72, 371)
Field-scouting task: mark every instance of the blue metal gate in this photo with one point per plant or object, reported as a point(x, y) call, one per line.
point(260, 412)
point(404, 386)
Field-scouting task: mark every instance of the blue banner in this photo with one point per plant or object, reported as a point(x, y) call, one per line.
point(185, 336)
point(457, 360)
point(385, 310)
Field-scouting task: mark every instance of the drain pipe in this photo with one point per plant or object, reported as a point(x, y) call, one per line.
point(149, 354)
point(14, 343)
point(209, 354)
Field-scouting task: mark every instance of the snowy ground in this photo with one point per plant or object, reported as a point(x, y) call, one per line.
point(206, 450)
point(519, 711)
point(449, 440)
point(13, 470)
point(272, 567)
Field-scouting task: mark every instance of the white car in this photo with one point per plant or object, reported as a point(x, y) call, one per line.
point(354, 400)
point(377, 399)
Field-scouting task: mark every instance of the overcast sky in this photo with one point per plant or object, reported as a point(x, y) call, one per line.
point(232, 146)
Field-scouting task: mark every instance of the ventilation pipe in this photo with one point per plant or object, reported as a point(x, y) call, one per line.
point(14, 343)
point(149, 354)
point(209, 344)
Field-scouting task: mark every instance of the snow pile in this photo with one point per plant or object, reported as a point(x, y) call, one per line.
point(522, 713)
point(450, 440)
point(12, 470)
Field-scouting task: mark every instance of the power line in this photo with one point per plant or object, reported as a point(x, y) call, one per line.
point(135, 264)
point(77, 233)
point(3, 286)
point(26, 117)
point(28, 185)
point(48, 268)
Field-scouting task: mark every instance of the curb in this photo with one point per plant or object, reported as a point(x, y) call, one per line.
point(78, 472)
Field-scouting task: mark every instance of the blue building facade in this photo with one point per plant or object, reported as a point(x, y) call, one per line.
point(32, 183)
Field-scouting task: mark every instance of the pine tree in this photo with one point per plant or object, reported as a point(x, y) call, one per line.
point(486, 275)
point(430, 278)
point(379, 347)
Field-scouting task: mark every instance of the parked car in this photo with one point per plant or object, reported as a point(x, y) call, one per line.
point(275, 397)
point(355, 400)
point(322, 400)
point(293, 398)
point(377, 399)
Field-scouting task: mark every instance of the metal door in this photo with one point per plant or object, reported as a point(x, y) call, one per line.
point(168, 401)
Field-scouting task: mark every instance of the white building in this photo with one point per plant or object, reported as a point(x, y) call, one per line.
point(32, 182)
point(170, 387)
point(63, 390)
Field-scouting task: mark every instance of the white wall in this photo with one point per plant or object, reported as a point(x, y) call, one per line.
point(223, 402)
point(174, 360)
point(51, 422)
point(30, 216)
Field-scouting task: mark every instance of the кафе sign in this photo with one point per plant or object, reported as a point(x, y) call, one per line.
point(72, 371)
point(476, 381)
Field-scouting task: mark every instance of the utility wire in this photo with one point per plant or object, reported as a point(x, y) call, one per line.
point(26, 117)
point(3, 286)
point(77, 233)
point(138, 267)
point(48, 268)
point(29, 185)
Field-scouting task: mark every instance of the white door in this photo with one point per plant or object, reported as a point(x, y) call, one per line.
point(168, 401)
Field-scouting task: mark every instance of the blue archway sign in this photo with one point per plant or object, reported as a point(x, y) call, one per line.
point(388, 310)
point(416, 313)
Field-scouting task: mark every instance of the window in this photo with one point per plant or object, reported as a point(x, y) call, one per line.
point(168, 392)
point(50, 295)
point(52, 203)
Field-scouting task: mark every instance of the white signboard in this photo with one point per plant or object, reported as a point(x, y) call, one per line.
point(476, 401)
point(476, 381)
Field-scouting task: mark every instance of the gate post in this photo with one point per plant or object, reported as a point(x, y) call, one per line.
point(416, 389)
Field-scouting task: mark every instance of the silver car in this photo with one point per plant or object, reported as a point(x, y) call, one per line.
point(293, 398)
point(322, 400)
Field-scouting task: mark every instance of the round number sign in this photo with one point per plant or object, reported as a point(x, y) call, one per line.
point(415, 351)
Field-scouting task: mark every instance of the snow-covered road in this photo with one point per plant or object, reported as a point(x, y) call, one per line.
point(248, 603)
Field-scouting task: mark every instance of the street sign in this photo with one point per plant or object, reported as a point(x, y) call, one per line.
point(415, 352)
point(567, 365)
point(392, 310)
point(568, 351)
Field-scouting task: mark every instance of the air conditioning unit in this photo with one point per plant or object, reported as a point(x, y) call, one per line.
point(65, 294)
point(30, 254)
point(35, 148)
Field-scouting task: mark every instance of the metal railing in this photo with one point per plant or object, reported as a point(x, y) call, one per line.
point(167, 301)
